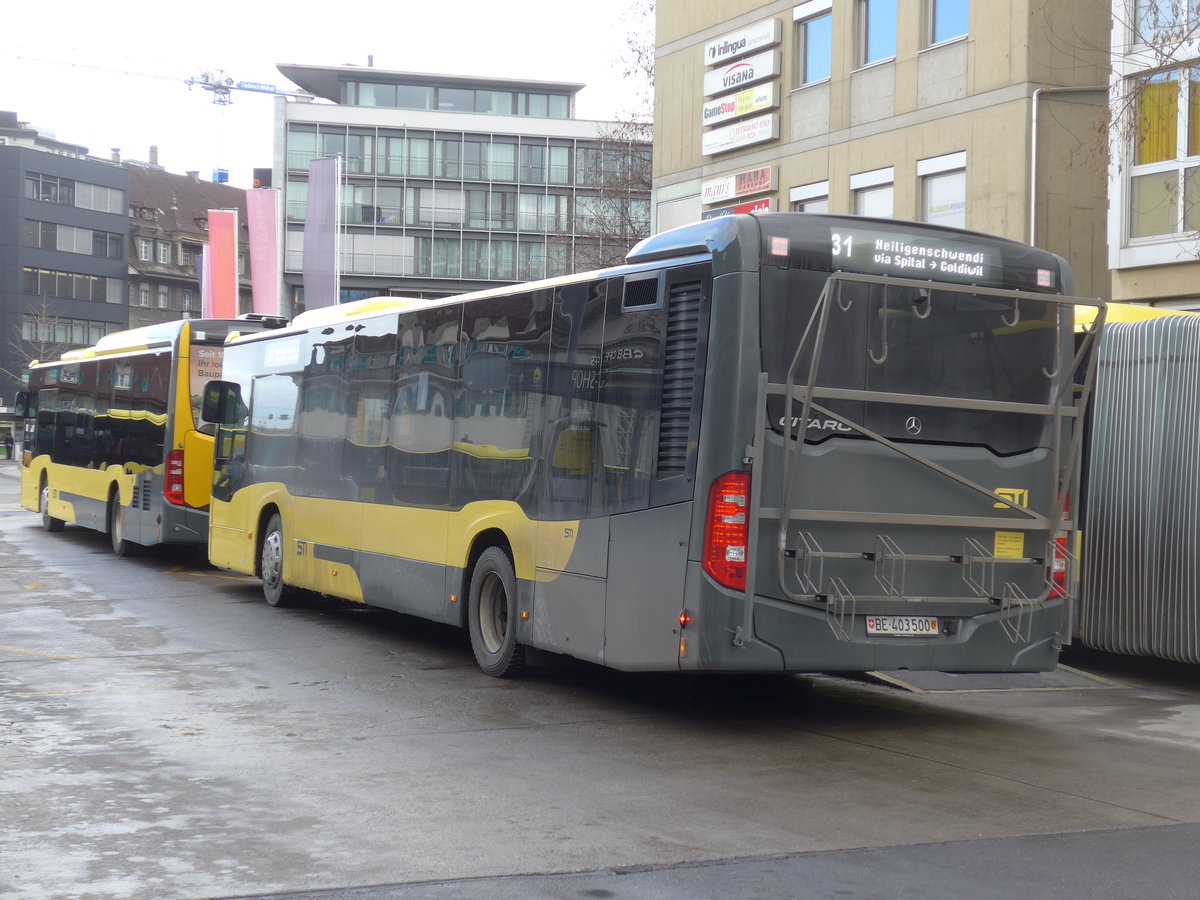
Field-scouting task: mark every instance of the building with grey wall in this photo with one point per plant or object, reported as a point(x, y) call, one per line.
point(63, 240)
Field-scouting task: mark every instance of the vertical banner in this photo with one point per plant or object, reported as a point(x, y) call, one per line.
point(221, 260)
point(205, 271)
point(262, 217)
point(321, 233)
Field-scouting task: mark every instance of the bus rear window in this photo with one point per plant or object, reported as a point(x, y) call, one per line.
point(902, 340)
point(203, 367)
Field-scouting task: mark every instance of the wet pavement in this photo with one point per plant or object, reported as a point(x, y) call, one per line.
point(164, 733)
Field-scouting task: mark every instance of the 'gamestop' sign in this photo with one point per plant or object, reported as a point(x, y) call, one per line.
point(751, 100)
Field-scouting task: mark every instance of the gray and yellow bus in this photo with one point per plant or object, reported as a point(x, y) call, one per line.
point(112, 439)
point(778, 442)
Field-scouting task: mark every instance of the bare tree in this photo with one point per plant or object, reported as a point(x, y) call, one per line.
point(35, 338)
point(617, 216)
point(637, 60)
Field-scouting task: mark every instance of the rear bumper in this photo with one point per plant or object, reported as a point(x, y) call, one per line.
point(788, 637)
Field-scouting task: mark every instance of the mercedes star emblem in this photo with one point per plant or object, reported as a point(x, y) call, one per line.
point(913, 425)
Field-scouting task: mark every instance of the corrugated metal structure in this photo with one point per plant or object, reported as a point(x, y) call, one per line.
point(1140, 591)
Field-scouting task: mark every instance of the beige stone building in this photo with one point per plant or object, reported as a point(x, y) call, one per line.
point(989, 116)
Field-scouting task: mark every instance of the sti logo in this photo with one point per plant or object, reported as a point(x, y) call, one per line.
point(1014, 496)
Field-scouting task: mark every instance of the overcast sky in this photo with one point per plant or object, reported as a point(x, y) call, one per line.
point(106, 76)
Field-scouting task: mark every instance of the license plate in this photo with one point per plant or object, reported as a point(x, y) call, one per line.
point(902, 626)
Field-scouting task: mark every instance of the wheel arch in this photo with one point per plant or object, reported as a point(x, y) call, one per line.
point(114, 501)
point(260, 525)
point(489, 537)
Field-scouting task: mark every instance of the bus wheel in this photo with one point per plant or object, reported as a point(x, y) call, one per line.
point(116, 530)
point(271, 562)
point(492, 615)
point(49, 523)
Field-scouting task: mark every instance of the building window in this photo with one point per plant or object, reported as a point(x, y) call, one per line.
point(814, 41)
point(49, 189)
point(875, 202)
point(415, 96)
point(948, 19)
point(456, 99)
point(873, 193)
point(70, 285)
point(533, 163)
point(498, 103)
point(69, 239)
point(409, 96)
point(144, 247)
point(164, 296)
point(447, 158)
point(810, 198)
point(944, 189)
point(164, 252)
point(560, 165)
point(877, 30)
point(72, 331)
point(1163, 21)
point(143, 295)
point(1164, 186)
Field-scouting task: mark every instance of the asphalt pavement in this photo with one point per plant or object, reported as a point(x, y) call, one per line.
point(164, 735)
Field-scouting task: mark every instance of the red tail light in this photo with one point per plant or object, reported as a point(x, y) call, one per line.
point(1058, 567)
point(727, 530)
point(173, 482)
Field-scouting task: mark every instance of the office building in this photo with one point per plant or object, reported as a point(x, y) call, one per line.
point(63, 238)
point(453, 183)
point(987, 116)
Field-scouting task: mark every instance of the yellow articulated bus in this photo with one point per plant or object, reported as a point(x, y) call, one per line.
point(777, 442)
point(112, 437)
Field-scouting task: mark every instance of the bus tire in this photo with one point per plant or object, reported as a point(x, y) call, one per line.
point(49, 522)
point(116, 529)
point(270, 558)
point(492, 615)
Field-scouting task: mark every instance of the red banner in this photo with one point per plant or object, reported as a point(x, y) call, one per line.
point(221, 290)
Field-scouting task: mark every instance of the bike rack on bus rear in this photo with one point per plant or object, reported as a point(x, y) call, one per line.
point(800, 558)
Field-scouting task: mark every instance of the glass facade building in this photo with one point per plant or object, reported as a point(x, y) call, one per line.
point(452, 184)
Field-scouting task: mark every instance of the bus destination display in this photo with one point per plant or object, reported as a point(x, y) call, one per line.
point(928, 256)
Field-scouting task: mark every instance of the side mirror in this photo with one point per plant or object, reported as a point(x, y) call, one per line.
point(222, 403)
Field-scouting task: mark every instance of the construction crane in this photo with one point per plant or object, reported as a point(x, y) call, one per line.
point(222, 87)
point(219, 83)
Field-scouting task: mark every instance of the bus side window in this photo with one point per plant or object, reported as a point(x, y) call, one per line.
point(25, 406)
